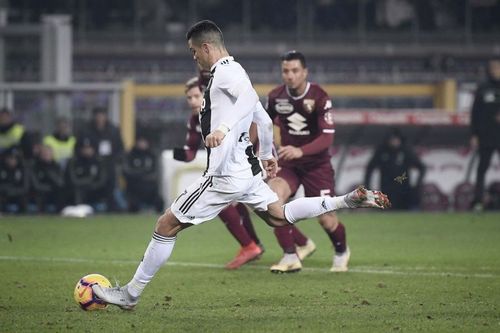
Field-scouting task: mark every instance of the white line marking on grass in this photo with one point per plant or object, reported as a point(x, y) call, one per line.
point(404, 271)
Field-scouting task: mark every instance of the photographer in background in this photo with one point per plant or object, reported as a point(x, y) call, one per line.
point(394, 159)
point(485, 127)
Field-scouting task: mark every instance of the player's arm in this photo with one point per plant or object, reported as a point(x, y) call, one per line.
point(193, 141)
point(271, 111)
point(246, 98)
point(264, 132)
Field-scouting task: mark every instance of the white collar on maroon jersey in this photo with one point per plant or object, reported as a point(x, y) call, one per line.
point(220, 61)
point(301, 96)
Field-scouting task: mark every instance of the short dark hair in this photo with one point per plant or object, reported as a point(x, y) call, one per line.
point(192, 83)
point(294, 55)
point(205, 32)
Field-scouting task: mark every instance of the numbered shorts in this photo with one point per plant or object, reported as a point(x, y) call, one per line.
point(318, 180)
point(208, 195)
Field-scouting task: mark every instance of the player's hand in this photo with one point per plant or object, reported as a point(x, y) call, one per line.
point(288, 153)
point(214, 139)
point(271, 167)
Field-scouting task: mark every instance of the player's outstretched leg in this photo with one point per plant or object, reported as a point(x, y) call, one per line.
point(157, 253)
point(304, 208)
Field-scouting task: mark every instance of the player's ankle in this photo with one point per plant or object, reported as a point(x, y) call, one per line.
point(339, 202)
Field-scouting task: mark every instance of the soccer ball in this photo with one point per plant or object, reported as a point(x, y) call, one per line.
point(84, 295)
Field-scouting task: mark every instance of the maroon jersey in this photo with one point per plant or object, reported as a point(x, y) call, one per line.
point(302, 120)
point(193, 141)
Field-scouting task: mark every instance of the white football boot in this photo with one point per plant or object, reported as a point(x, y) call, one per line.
point(306, 250)
point(340, 261)
point(290, 263)
point(363, 198)
point(118, 296)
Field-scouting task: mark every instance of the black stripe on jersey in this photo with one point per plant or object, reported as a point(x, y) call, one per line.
point(206, 115)
point(254, 162)
point(193, 199)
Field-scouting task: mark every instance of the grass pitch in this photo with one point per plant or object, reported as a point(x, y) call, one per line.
point(409, 272)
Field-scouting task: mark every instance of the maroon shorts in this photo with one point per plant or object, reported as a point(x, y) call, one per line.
point(318, 180)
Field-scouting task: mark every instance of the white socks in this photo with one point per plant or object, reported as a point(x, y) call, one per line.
point(304, 208)
point(157, 253)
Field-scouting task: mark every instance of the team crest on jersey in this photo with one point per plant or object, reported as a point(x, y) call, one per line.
point(329, 117)
point(309, 105)
point(283, 106)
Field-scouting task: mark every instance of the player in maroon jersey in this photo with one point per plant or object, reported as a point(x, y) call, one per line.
point(303, 112)
point(235, 217)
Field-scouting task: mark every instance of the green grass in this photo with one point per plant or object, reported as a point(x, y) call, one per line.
point(409, 272)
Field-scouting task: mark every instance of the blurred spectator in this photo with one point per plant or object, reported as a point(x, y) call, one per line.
point(109, 148)
point(485, 126)
point(47, 179)
point(394, 13)
point(32, 146)
point(62, 142)
point(11, 133)
point(395, 159)
point(87, 175)
point(141, 173)
point(13, 181)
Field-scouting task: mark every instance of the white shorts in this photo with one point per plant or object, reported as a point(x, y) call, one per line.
point(208, 195)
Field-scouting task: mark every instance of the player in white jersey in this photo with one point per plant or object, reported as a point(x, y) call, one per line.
point(233, 173)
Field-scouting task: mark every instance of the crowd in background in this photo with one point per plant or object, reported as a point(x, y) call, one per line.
point(160, 15)
point(47, 173)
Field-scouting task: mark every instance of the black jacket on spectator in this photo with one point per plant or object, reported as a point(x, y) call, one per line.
point(87, 175)
point(14, 182)
point(109, 147)
point(394, 164)
point(47, 180)
point(140, 169)
point(485, 114)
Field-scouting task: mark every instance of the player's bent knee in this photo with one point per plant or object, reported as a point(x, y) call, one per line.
point(167, 224)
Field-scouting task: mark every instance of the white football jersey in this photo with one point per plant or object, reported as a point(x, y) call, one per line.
point(234, 157)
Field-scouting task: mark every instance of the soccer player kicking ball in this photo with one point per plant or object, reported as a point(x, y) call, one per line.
point(235, 217)
point(233, 173)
